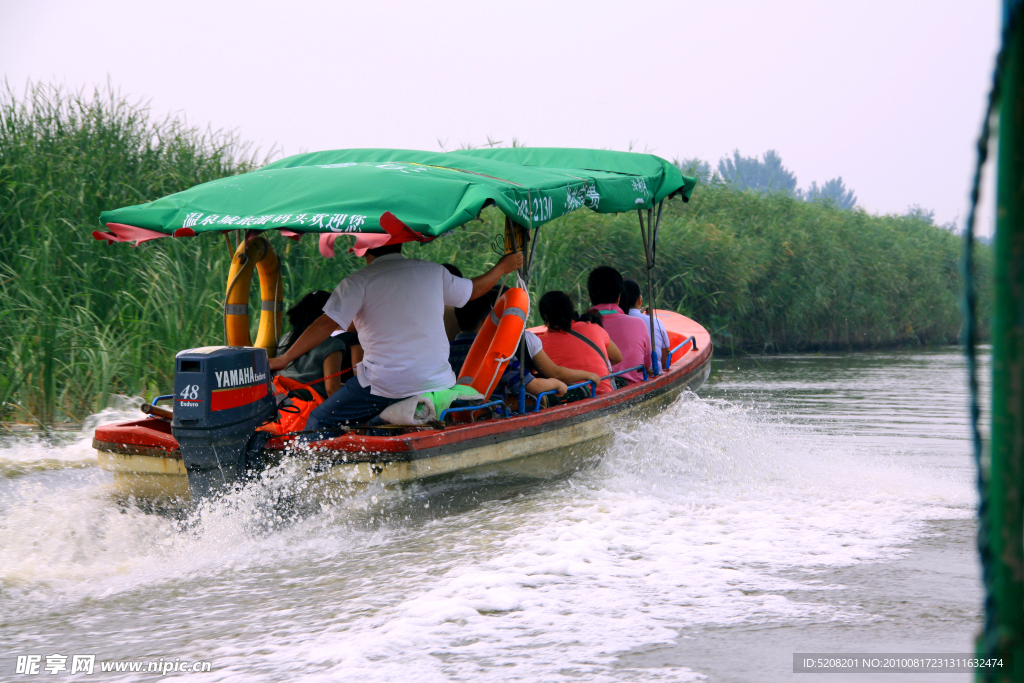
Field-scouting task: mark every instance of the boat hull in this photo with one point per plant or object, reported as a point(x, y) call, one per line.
point(144, 459)
point(570, 444)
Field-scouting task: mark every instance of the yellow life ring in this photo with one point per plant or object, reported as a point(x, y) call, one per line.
point(257, 252)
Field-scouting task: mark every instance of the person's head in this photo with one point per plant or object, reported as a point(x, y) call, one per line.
point(604, 285)
point(452, 268)
point(472, 315)
point(381, 251)
point(557, 311)
point(630, 297)
point(592, 317)
point(302, 314)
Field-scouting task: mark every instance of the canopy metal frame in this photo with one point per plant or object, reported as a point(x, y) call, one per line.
point(649, 234)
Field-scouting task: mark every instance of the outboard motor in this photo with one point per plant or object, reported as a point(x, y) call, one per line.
point(221, 395)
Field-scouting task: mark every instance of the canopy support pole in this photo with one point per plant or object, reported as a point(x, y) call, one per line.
point(657, 227)
point(511, 229)
point(1002, 505)
point(648, 237)
point(529, 237)
point(650, 286)
point(524, 276)
point(533, 248)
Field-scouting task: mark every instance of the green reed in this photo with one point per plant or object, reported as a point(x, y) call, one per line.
point(766, 272)
point(81, 321)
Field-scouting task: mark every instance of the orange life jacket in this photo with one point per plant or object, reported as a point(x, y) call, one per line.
point(295, 409)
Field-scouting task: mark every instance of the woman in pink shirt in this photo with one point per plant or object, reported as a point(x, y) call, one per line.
point(574, 344)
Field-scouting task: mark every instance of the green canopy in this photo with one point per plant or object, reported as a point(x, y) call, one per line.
point(658, 177)
point(347, 191)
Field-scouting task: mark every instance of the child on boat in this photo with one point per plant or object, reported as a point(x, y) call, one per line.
point(325, 359)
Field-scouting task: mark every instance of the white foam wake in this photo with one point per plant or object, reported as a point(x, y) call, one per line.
point(708, 514)
point(22, 453)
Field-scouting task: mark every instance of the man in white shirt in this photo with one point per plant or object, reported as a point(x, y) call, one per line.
point(630, 301)
point(397, 307)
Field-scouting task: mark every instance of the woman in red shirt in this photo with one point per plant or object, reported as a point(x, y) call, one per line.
point(574, 344)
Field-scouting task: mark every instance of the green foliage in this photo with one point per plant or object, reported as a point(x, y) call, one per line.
point(696, 168)
point(769, 175)
point(80, 320)
point(833, 191)
point(771, 272)
point(764, 175)
point(920, 213)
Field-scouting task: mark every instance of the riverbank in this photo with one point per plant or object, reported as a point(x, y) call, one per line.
point(81, 321)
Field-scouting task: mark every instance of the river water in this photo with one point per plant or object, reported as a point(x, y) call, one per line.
point(811, 503)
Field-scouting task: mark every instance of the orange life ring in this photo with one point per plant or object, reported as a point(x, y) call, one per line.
point(496, 342)
point(257, 252)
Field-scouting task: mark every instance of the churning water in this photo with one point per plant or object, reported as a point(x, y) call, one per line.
point(798, 504)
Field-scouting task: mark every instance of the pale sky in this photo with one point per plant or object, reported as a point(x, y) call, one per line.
point(887, 94)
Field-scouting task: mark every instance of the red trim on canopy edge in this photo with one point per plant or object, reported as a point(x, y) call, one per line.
point(397, 232)
point(126, 233)
point(368, 240)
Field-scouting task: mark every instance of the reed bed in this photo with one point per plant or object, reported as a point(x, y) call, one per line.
point(81, 321)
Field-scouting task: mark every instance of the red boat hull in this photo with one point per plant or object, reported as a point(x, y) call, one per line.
point(453, 447)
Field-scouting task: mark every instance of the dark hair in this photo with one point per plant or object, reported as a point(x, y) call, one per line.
point(386, 249)
point(474, 312)
point(604, 285)
point(592, 317)
point(452, 268)
point(302, 314)
point(630, 295)
point(557, 311)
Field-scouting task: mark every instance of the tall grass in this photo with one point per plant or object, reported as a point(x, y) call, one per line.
point(80, 320)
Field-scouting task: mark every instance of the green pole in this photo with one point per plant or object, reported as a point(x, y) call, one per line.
point(1003, 525)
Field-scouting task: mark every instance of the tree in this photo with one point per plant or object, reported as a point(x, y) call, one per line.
point(749, 173)
point(695, 168)
point(833, 192)
point(918, 212)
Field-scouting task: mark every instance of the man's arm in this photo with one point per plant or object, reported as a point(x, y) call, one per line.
point(317, 332)
point(483, 283)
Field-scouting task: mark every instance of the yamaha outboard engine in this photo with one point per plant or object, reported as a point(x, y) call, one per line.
point(221, 395)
